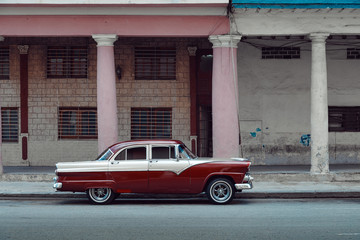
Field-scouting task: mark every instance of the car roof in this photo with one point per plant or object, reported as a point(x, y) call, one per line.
point(120, 145)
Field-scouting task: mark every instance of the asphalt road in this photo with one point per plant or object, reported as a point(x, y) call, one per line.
point(180, 219)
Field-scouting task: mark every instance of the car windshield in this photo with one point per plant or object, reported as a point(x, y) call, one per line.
point(105, 155)
point(184, 152)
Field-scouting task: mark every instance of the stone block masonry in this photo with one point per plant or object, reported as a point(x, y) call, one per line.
point(46, 95)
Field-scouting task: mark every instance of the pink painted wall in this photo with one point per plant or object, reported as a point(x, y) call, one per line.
point(160, 26)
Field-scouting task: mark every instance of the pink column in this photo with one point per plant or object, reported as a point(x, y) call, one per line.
point(106, 91)
point(225, 96)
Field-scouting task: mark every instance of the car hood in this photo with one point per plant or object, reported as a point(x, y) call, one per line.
point(202, 160)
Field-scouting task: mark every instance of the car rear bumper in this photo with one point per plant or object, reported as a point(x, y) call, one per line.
point(57, 185)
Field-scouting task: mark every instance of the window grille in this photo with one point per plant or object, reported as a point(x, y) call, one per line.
point(67, 62)
point(344, 119)
point(353, 53)
point(77, 123)
point(10, 124)
point(155, 63)
point(280, 53)
point(151, 123)
point(4, 63)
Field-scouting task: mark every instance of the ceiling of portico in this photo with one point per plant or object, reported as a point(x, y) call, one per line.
point(154, 18)
point(114, 7)
point(263, 22)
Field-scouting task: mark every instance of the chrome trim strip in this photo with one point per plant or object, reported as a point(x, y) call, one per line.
point(248, 178)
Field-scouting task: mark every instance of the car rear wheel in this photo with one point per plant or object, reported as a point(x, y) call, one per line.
point(220, 191)
point(100, 195)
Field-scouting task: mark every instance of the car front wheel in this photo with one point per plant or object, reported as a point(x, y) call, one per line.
point(220, 191)
point(100, 195)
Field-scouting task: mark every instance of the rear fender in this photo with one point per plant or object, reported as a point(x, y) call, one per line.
point(100, 184)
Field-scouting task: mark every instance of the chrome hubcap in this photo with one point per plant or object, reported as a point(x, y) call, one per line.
point(100, 194)
point(221, 191)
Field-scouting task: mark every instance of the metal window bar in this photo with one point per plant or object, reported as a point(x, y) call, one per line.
point(10, 124)
point(77, 123)
point(151, 123)
point(155, 63)
point(67, 62)
point(4, 63)
point(344, 119)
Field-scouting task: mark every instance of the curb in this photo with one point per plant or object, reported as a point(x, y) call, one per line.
point(263, 195)
point(307, 177)
point(27, 177)
point(301, 195)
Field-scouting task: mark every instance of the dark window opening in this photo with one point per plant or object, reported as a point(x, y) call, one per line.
point(10, 124)
point(280, 53)
point(151, 123)
point(67, 62)
point(155, 63)
point(344, 119)
point(4, 63)
point(77, 123)
point(353, 53)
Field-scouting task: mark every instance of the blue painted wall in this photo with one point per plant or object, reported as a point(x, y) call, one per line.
point(296, 3)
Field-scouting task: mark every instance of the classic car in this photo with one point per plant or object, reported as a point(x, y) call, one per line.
point(153, 166)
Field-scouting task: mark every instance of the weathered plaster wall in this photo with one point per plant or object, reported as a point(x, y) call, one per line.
point(296, 21)
point(275, 103)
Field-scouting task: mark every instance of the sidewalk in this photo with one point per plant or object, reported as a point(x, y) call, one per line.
point(270, 182)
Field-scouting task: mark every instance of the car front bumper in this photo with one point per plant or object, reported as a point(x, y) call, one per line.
point(247, 183)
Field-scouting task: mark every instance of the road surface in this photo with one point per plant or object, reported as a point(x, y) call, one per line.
point(180, 219)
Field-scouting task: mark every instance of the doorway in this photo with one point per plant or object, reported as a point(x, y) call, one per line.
point(204, 102)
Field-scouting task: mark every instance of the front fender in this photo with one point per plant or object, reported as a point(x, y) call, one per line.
point(235, 177)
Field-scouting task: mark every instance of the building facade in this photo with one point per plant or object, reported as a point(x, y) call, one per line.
point(299, 81)
point(273, 81)
point(78, 77)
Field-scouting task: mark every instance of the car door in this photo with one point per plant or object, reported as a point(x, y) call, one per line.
point(129, 169)
point(166, 171)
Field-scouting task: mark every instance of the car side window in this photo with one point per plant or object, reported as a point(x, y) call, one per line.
point(183, 154)
point(137, 153)
point(163, 152)
point(121, 155)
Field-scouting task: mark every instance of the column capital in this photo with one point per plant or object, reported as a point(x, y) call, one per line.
point(318, 37)
point(23, 49)
point(225, 40)
point(192, 51)
point(105, 39)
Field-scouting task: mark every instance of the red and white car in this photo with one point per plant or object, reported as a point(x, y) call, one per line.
point(153, 166)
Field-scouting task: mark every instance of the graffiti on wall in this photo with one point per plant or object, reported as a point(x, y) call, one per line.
point(305, 140)
point(254, 134)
